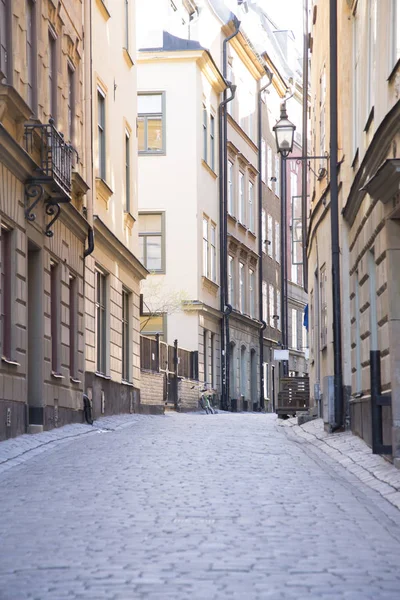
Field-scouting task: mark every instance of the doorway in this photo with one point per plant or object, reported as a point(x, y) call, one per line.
point(273, 387)
point(35, 337)
point(253, 378)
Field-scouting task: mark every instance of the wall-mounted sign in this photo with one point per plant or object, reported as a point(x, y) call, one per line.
point(281, 354)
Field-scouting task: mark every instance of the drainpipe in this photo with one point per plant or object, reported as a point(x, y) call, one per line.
point(89, 172)
point(260, 239)
point(333, 160)
point(305, 146)
point(223, 191)
point(223, 251)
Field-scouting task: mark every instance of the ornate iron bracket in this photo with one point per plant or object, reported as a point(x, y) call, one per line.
point(36, 191)
point(53, 210)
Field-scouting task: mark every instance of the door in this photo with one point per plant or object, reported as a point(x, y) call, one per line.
point(35, 336)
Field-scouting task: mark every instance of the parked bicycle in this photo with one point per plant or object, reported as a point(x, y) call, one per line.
point(206, 399)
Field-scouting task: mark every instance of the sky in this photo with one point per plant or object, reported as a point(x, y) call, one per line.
point(288, 14)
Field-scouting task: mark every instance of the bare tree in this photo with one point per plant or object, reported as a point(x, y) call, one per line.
point(159, 301)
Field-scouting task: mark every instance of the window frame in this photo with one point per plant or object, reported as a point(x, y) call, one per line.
point(101, 316)
point(271, 305)
point(205, 133)
point(231, 280)
point(6, 41)
point(127, 172)
point(242, 288)
point(162, 234)
point(127, 31)
point(242, 198)
point(213, 252)
point(231, 188)
point(71, 100)
point(126, 367)
point(55, 316)
point(102, 134)
point(31, 55)
point(206, 257)
point(6, 293)
point(53, 83)
point(145, 117)
point(323, 307)
point(251, 203)
point(270, 234)
point(294, 320)
point(252, 293)
point(212, 141)
point(277, 241)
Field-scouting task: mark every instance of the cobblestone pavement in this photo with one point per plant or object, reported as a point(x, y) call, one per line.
point(195, 507)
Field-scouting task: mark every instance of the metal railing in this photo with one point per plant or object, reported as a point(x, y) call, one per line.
point(56, 155)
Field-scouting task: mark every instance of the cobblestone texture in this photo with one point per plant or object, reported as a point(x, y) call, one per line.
point(189, 506)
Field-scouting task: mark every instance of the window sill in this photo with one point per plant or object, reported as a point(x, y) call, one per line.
point(102, 376)
point(393, 71)
point(57, 375)
point(210, 285)
point(127, 383)
point(254, 235)
point(152, 152)
point(209, 169)
point(103, 9)
point(103, 191)
point(128, 58)
point(242, 226)
point(129, 221)
point(369, 120)
point(234, 219)
point(9, 361)
point(73, 380)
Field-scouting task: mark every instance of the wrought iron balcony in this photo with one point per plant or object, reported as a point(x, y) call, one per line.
point(56, 161)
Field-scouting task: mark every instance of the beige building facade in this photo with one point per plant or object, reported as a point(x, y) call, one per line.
point(369, 235)
point(43, 223)
point(113, 271)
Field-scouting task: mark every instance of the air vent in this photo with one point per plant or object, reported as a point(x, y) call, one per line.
point(8, 417)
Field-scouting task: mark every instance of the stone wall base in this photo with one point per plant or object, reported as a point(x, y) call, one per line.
point(110, 397)
point(16, 414)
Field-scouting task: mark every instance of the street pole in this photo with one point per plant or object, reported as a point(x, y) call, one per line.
point(284, 308)
point(334, 206)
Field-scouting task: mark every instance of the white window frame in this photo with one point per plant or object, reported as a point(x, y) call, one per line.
point(252, 293)
point(251, 207)
point(242, 289)
point(271, 305)
point(242, 199)
point(206, 257)
point(230, 188)
point(277, 241)
point(263, 160)
point(270, 234)
point(294, 317)
point(269, 166)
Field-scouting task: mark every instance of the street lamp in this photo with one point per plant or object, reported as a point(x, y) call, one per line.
point(284, 133)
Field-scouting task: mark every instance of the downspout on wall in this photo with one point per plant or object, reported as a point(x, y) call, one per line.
point(305, 145)
point(223, 189)
point(260, 239)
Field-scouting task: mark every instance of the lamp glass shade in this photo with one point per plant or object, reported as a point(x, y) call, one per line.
point(284, 133)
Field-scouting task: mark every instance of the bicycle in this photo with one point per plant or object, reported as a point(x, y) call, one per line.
point(206, 399)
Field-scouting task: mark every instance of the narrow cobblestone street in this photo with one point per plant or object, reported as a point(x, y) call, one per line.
point(194, 507)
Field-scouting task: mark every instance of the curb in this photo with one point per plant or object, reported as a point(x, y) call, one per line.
point(352, 453)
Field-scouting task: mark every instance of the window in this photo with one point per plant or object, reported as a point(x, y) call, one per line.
point(212, 142)
point(264, 230)
point(278, 309)
point(242, 295)
point(277, 176)
point(205, 350)
point(52, 52)
point(230, 187)
point(127, 172)
point(126, 24)
point(263, 160)
point(269, 166)
point(271, 305)
point(55, 316)
point(266, 380)
point(213, 253)
point(322, 117)
point(324, 307)
point(241, 198)
point(251, 207)
point(294, 328)
point(101, 132)
point(371, 54)
point(395, 34)
point(6, 291)
point(212, 348)
point(252, 293)
point(205, 248)
point(205, 136)
point(277, 242)
point(151, 114)
point(294, 274)
point(356, 83)
point(4, 39)
point(71, 103)
point(231, 277)
point(358, 334)
point(265, 300)
point(151, 241)
point(270, 237)
point(30, 53)
point(101, 322)
point(73, 326)
point(126, 355)
point(304, 344)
